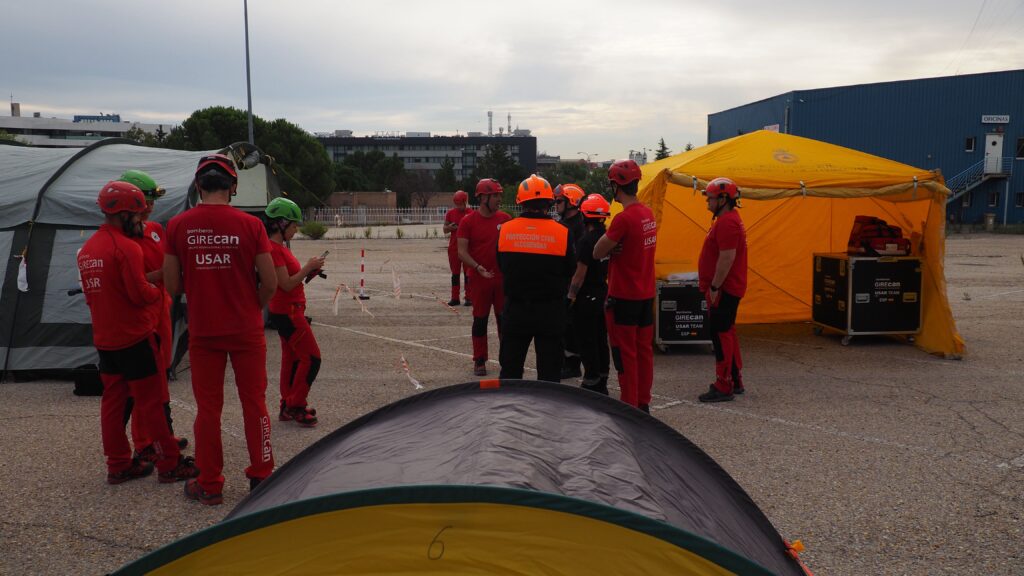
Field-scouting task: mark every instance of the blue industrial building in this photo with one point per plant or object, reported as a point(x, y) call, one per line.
point(970, 127)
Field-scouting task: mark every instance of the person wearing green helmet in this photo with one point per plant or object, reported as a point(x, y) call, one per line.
point(300, 354)
point(151, 242)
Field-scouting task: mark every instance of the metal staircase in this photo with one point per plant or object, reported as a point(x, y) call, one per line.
point(977, 173)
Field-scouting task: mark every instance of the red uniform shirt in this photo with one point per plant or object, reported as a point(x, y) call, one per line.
point(119, 297)
point(282, 300)
point(482, 234)
point(726, 233)
point(455, 216)
point(151, 243)
point(217, 246)
point(631, 272)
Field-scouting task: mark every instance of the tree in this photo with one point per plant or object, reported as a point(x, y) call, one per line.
point(415, 188)
point(380, 171)
point(4, 135)
point(566, 173)
point(348, 178)
point(445, 178)
point(662, 152)
point(302, 162)
point(140, 136)
point(497, 163)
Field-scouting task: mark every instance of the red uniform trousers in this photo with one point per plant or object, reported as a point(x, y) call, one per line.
point(208, 356)
point(300, 356)
point(163, 332)
point(728, 361)
point(486, 293)
point(631, 335)
point(456, 265)
point(136, 372)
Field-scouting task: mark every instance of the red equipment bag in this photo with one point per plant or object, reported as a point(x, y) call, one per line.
point(874, 236)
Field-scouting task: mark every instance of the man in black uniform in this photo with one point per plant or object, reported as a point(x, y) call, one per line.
point(587, 292)
point(567, 206)
point(537, 259)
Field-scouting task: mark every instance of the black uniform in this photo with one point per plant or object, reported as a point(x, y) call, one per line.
point(537, 260)
point(570, 340)
point(588, 313)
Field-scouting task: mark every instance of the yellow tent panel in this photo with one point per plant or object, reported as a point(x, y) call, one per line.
point(800, 197)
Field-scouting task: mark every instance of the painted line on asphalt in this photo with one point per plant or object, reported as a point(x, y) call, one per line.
point(999, 294)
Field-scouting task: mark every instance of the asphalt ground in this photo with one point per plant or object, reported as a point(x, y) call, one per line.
point(880, 458)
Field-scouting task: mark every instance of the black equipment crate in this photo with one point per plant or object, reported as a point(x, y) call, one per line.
point(681, 315)
point(867, 295)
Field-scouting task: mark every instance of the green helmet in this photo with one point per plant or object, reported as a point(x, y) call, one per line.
point(143, 182)
point(284, 208)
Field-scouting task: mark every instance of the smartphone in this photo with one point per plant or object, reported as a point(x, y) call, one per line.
point(326, 252)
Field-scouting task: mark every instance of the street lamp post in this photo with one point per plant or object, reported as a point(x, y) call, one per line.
point(248, 82)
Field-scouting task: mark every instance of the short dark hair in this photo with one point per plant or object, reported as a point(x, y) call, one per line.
point(214, 180)
point(631, 188)
point(537, 205)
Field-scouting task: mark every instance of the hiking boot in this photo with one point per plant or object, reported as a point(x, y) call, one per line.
point(737, 389)
point(453, 302)
point(570, 372)
point(254, 482)
point(600, 385)
point(147, 454)
point(193, 491)
point(480, 368)
point(185, 469)
point(182, 442)
point(138, 469)
point(466, 302)
point(715, 395)
point(644, 408)
point(302, 416)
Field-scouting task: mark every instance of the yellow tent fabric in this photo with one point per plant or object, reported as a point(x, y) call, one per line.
point(799, 197)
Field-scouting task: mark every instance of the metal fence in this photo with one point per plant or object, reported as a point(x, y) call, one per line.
point(365, 216)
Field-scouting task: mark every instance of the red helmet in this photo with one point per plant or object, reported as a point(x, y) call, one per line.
point(624, 172)
point(534, 188)
point(460, 196)
point(218, 160)
point(722, 187)
point(595, 207)
point(117, 196)
point(488, 186)
point(573, 194)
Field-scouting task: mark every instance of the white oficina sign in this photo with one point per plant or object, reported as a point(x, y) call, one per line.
point(995, 118)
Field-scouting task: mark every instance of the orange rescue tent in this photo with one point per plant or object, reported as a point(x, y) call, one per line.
point(800, 197)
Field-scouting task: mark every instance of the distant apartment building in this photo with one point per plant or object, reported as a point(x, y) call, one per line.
point(422, 151)
point(78, 132)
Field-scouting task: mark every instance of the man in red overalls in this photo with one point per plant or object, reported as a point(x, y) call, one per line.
point(451, 224)
point(478, 250)
point(722, 277)
point(121, 303)
point(629, 311)
point(218, 252)
point(151, 243)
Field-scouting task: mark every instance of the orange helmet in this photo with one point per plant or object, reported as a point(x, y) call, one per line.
point(117, 196)
point(460, 196)
point(595, 207)
point(722, 187)
point(573, 194)
point(488, 186)
point(534, 188)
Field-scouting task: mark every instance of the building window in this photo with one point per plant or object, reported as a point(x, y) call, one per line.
point(966, 201)
point(993, 199)
point(1020, 200)
point(969, 144)
point(1020, 148)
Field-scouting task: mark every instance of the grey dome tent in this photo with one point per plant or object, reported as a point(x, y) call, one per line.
point(492, 477)
point(48, 210)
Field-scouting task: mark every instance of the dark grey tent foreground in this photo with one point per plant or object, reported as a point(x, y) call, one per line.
point(509, 477)
point(48, 210)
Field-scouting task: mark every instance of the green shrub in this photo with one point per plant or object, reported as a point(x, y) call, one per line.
point(399, 233)
point(314, 230)
point(367, 232)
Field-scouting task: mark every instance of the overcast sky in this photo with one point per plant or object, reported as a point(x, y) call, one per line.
point(594, 77)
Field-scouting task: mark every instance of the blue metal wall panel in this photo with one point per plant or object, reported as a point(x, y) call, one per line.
point(924, 123)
